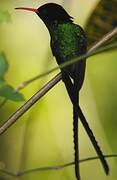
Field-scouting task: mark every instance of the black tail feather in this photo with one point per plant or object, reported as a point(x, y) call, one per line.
point(93, 140)
point(76, 144)
point(70, 90)
point(75, 101)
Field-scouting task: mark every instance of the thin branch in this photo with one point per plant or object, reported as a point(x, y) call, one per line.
point(27, 82)
point(105, 39)
point(29, 103)
point(84, 56)
point(48, 168)
point(13, 118)
point(98, 44)
point(64, 165)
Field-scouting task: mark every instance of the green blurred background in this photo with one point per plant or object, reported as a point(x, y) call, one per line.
point(44, 136)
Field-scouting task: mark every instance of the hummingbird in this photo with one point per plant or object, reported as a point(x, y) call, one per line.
point(67, 41)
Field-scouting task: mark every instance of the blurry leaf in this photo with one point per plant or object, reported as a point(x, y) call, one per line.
point(102, 20)
point(3, 65)
point(2, 82)
point(8, 92)
point(5, 16)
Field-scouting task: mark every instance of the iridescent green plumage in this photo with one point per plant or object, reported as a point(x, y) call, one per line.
point(68, 41)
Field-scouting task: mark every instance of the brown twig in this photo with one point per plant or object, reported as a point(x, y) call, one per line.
point(13, 118)
point(29, 103)
point(105, 39)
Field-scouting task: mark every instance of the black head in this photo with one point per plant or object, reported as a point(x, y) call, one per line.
point(51, 12)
